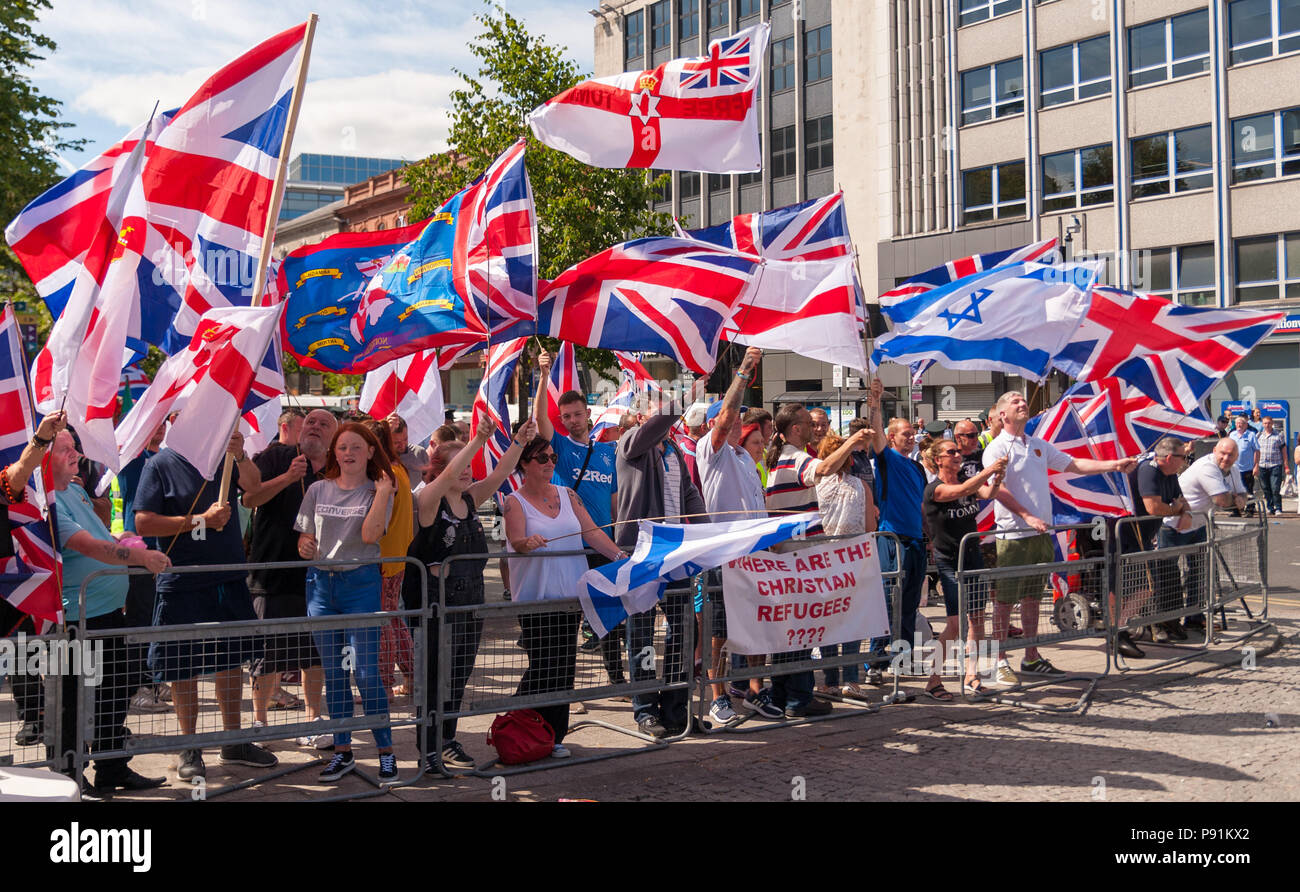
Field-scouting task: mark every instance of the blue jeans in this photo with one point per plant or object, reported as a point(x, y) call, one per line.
point(342, 594)
point(850, 669)
point(1270, 480)
point(909, 586)
point(1169, 594)
point(669, 707)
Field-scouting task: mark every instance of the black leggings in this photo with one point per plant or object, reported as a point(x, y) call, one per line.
point(551, 641)
point(465, 632)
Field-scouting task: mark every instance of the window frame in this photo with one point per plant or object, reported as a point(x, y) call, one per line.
point(786, 65)
point(994, 104)
point(997, 205)
point(684, 177)
point(822, 56)
point(1172, 175)
point(685, 15)
point(821, 146)
point(1279, 158)
point(1177, 291)
point(1075, 84)
point(1274, 39)
point(1079, 189)
point(1170, 61)
point(664, 7)
point(786, 150)
point(711, 6)
point(1281, 284)
point(989, 7)
point(755, 8)
point(638, 34)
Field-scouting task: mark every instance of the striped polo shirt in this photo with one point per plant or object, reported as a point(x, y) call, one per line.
point(792, 482)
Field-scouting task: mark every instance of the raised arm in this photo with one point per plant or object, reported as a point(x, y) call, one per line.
point(876, 422)
point(540, 415)
point(21, 471)
point(832, 463)
point(950, 492)
point(492, 482)
point(729, 412)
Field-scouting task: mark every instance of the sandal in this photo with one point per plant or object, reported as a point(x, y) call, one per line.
point(284, 700)
point(939, 692)
point(974, 689)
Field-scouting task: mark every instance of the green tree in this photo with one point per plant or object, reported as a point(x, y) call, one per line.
point(581, 210)
point(30, 129)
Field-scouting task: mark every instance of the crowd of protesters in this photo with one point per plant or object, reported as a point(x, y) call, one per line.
point(360, 491)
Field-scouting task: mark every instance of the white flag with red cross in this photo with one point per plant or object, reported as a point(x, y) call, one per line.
point(687, 114)
point(409, 386)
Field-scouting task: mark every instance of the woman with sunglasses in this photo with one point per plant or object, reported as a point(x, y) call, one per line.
point(951, 506)
point(542, 517)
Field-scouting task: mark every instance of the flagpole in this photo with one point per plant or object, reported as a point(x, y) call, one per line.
point(272, 213)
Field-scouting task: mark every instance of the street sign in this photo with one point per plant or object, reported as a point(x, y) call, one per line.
point(916, 394)
point(853, 383)
point(837, 376)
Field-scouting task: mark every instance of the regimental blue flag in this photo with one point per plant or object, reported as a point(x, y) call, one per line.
point(468, 278)
point(1011, 319)
point(668, 552)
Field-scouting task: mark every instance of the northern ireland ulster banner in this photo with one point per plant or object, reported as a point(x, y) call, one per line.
point(687, 114)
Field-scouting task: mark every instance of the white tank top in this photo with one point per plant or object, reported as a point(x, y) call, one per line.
point(540, 579)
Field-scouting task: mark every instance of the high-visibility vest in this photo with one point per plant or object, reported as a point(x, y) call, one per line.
point(118, 525)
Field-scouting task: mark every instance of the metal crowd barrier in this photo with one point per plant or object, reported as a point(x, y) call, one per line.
point(31, 718)
point(159, 733)
point(525, 655)
point(1239, 556)
point(766, 668)
point(1080, 612)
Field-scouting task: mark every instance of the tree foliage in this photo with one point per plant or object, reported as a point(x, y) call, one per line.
point(581, 210)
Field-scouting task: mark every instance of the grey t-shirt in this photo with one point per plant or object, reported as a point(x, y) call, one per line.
point(334, 516)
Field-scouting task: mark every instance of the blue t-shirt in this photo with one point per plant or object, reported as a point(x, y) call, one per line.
point(104, 594)
point(169, 486)
point(1247, 446)
point(899, 491)
point(599, 481)
point(128, 480)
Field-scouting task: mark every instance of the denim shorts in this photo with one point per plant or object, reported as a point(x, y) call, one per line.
point(977, 591)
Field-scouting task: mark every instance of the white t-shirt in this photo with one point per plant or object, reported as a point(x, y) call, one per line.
point(1201, 483)
point(1026, 480)
point(842, 503)
point(730, 481)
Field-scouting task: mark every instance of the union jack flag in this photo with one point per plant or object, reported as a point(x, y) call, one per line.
point(563, 378)
point(1174, 354)
point(726, 65)
point(813, 230)
point(946, 273)
point(1138, 420)
point(31, 580)
point(1084, 428)
point(491, 409)
point(635, 382)
point(660, 295)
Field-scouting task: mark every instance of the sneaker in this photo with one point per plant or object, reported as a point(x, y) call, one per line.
point(28, 735)
point(560, 751)
point(454, 756)
point(1039, 667)
point(506, 593)
point(248, 754)
point(189, 764)
point(852, 691)
point(721, 711)
point(387, 767)
point(1004, 675)
point(652, 726)
point(736, 692)
point(875, 676)
point(1159, 634)
point(827, 690)
point(762, 705)
point(164, 691)
point(812, 707)
point(1015, 632)
point(317, 741)
point(146, 699)
point(340, 765)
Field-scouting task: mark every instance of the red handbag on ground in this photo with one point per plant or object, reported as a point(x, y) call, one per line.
point(521, 735)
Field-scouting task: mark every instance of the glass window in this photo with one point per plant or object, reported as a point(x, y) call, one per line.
point(688, 19)
point(818, 143)
point(1078, 71)
point(1195, 272)
point(978, 10)
point(783, 152)
point(1258, 29)
point(689, 186)
point(1257, 268)
point(992, 92)
point(817, 54)
point(1266, 146)
point(993, 193)
point(718, 13)
point(1179, 161)
point(782, 64)
point(663, 191)
point(1078, 178)
point(719, 182)
point(748, 8)
point(1169, 48)
point(660, 25)
point(749, 179)
point(633, 35)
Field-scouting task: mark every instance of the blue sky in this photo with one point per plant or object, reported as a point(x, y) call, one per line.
point(379, 82)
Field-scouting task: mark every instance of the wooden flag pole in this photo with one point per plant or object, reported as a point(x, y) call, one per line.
point(272, 213)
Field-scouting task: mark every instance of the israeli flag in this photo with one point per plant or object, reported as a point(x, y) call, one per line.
point(669, 552)
point(1012, 319)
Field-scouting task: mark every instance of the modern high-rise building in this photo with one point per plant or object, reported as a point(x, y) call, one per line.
point(1161, 136)
point(315, 181)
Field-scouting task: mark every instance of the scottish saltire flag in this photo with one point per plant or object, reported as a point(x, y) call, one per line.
point(1076, 497)
point(563, 378)
point(1172, 353)
point(491, 409)
point(1011, 319)
point(809, 307)
point(30, 580)
point(411, 387)
point(211, 379)
point(946, 273)
point(1139, 421)
point(686, 114)
point(660, 295)
point(468, 278)
point(668, 552)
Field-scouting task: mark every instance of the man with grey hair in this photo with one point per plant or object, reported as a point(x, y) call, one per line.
point(412, 457)
point(1022, 512)
point(1273, 464)
point(1161, 498)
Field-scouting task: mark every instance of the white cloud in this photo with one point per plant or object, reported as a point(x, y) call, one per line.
point(392, 114)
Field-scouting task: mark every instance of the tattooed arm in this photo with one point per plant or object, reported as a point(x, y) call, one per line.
point(107, 551)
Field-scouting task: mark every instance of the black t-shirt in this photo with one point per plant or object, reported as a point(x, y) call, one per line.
point(274, 538)
point(948, 522)
point(1151, 482)
point(171, 486)
point(447, 535)
point(971, 465)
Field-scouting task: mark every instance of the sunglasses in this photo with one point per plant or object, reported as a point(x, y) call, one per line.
point(967, 436)
point(948, 452)
point(545, 458)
